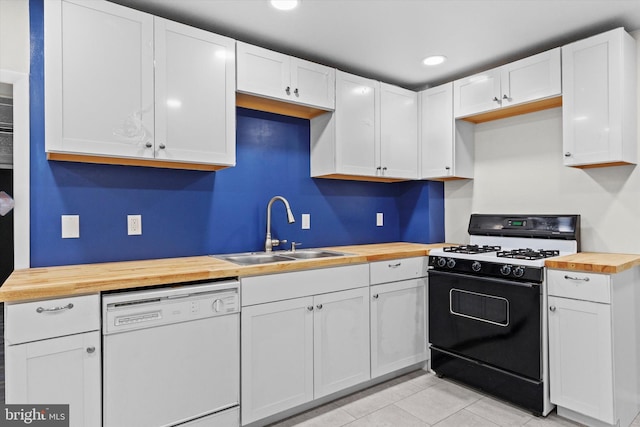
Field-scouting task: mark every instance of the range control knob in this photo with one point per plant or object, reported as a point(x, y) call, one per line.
point(518, 271)
point(451, 263)
point(441, 262)
point(505, 270)
point(476, 266)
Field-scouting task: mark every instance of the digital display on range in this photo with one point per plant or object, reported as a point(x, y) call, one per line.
point(517, 222)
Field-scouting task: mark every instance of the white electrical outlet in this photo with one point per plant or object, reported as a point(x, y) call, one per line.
point(134, 225)
point(306, 221)
point(379, 219)
point(70, 226)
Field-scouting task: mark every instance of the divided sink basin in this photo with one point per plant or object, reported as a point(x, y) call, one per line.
point(254, 258)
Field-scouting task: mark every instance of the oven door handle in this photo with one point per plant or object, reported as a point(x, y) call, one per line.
point(487, 279)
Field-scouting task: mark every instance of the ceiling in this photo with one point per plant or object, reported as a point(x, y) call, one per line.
point(387, 39)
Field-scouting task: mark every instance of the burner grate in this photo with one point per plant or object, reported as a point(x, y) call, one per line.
point(471, 249)
point(528, 253)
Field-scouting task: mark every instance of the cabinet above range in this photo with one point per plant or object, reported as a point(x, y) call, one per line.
point(532, 84)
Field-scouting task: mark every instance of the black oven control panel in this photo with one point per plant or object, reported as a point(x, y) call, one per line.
point(514, 272)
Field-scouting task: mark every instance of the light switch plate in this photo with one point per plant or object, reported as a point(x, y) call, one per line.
point(306, 221)
point(70, 226)
point(379, 219)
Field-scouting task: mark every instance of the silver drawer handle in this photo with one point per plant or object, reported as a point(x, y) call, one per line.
point(54, 309)
point(376, 296)
point(395, 265)
point(91, 349)
point(552, 308)
point(586, 279)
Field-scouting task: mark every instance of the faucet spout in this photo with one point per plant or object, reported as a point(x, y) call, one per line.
point(269, 243)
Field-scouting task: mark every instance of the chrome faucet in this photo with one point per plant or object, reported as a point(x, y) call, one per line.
point(269, 243)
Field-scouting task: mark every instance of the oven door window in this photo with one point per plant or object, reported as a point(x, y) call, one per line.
point(480, 307)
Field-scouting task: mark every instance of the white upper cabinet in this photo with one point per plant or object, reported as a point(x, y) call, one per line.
point(398, 132)
point(531, 79)
point(274, 75)
point(477, 93)
point(599, 100)
point(105, 100)
point(194, 89)
point(446, 144)
point(372, 135)
point(98, 79)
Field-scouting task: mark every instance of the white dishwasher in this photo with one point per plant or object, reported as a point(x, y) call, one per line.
point(171, 356)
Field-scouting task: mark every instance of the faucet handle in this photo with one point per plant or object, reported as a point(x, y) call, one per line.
point(276, 242)
point(294, 245)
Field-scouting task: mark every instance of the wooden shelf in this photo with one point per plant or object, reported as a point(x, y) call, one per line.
point(516, 110)
point(126, 161)
point(279, 107)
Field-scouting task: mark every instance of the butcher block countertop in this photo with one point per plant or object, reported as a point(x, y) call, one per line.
point(51, 282)
point(595, 262)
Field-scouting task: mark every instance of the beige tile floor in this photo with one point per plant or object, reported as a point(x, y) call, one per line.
point(421, 399)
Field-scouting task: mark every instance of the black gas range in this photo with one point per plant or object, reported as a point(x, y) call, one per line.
point(487, 305)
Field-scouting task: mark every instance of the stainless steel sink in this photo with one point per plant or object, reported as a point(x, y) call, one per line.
point(254, 258)
point(312, 253)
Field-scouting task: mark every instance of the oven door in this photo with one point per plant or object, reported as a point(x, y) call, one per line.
point(491, 321)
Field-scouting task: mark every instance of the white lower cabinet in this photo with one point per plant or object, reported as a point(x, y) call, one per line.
point(398, 325)
point(594, 346)
point(49, 362)
point(398, 314)
point(305, 335)
point(297, 350)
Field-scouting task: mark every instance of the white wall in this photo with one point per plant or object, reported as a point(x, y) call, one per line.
point(14, 35)
point(518, 169)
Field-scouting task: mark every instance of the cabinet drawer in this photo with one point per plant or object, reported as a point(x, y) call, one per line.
point(398, 269)
point(579, 285)
point(31, 321)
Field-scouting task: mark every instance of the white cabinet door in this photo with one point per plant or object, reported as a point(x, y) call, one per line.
point(341, 340)
point(263, 72)
point(313, 84)
point(99, 79)
point(599, 100)
point(195, 95)
point(446, 144)
point(357, 136)
point(580, 357)
point(477, 94)
point(65, 370)
point(277, 357)
point(398, 132)
point(532, 78)
point(398, 325)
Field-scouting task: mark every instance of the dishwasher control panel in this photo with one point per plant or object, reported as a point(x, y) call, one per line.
point(144, 309)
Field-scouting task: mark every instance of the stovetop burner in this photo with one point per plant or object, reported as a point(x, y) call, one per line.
point(528, 253)
point(471, 249)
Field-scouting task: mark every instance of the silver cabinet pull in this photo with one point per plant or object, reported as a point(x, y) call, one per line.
point(396, 265)
point(148, 144)
point(506, 97)
point(319, 306)
point(54, 309)
point(552, 308)
point(384, 169)
point(376, 296)
point(495, 98)
point(567, 154)
point(310, 307)
point(162, 146)
point(297, 92)
point(586, 279)
point(288, 90)
point(91, 349)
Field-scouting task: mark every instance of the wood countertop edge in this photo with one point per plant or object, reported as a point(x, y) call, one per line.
point(59, 281)
point(594, 262)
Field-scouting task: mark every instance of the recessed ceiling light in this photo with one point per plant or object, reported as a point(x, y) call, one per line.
point(434, 60)
point(284, 4)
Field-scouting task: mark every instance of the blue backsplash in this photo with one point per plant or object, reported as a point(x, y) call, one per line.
point(186, 213)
